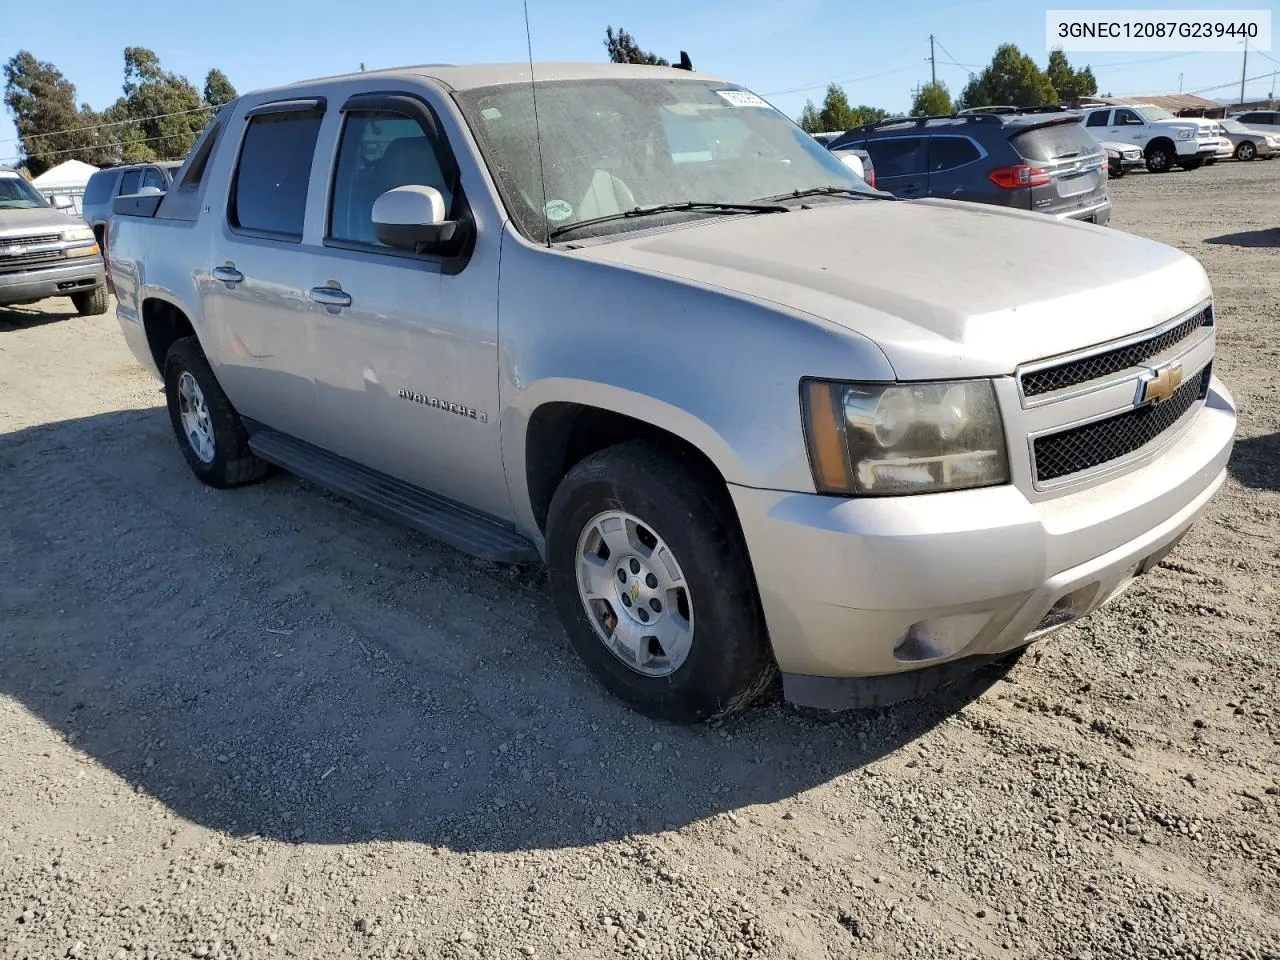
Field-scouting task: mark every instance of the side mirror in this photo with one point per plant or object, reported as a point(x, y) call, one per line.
point(60, 201)
point(853, 162)
point(413, 218)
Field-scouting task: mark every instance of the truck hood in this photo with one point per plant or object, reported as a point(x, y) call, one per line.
point(1204, 125)
point(35, 221)
point(944, 288)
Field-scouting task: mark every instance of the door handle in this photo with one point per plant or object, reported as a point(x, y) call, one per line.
point(331, 296)
point(227, 274)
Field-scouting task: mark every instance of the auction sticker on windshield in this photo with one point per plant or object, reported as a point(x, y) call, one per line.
point(741, 98)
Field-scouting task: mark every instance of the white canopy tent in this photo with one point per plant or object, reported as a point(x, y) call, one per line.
point(67, 178)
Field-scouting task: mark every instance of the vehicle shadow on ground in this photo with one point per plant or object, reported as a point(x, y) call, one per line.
point(1255, 462)
point(271, 661)
point(24, 318)
point(1249, 238)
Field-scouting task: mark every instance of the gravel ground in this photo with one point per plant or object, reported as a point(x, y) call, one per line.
point(264, 724)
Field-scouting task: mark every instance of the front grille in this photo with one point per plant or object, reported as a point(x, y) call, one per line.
point(1093, 444)
point(1104, 364)
point(26, 241)
point(13, 259)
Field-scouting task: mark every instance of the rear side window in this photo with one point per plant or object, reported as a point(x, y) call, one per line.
point(1062, 141)
point(269, 192)
point(129, 182)
point(1252, 118)
point(897, 157)
point(379, 151)
point(1098, 119)
point(98, 189)
point(947, 153)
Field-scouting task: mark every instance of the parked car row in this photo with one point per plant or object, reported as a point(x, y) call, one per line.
point(1050, 159)
point(1038, 161)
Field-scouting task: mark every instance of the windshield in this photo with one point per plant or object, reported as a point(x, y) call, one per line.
point(613, 145)
point(1154, 113)
point(17, 194)
point(1235, 126)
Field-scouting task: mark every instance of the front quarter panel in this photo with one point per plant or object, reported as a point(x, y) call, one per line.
point(718, 369)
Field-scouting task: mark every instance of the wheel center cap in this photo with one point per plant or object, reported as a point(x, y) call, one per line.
point(639, 590)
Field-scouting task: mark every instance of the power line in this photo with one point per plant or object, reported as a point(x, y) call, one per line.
point(825, 83)
point(1231, 83)
point(108, 146)
point(955, 62)
point(1135, 63)
point(117, 123)
point(830, 80)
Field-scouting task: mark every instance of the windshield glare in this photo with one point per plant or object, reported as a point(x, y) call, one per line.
point(17, 194)
point(1154, 113)
point(612, 145)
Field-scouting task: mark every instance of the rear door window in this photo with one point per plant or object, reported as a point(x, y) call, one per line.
point(947, 153)
point(1062, 141)
point(129, 182)
point(98, 189)
point(897, 156)
point(269, 191)
point(1098, 119)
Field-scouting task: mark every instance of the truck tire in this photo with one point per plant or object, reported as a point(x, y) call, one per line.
point(650, 577)
point(1160, 157)
point(1246, 150)
point(92, 303)
point(210, 434)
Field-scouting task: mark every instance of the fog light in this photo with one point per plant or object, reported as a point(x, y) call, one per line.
point(940, 637)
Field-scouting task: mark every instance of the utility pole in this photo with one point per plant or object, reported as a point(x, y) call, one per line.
point(1179, 83)
point(933, 63)
point(1243, 68)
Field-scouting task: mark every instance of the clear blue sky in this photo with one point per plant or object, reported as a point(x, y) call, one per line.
point(786, 50)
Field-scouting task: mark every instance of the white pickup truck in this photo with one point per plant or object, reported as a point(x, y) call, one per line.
point(753, 414)
point(1166, 141)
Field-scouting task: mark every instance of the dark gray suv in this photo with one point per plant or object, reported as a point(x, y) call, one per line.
point(1038, 160)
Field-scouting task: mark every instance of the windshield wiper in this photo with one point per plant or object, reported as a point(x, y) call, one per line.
point(832, 191)
point(672, 208)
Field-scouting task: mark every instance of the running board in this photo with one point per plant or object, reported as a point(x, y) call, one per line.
point(437, 517)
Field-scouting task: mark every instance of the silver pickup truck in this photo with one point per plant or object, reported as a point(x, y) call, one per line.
point(632, 321)
point(46, 252)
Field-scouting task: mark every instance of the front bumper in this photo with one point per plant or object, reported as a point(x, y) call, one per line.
point(859, 588)
point(28, 286)
point(1208, 149)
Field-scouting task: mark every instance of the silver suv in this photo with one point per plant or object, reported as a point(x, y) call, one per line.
point(751, 413)
point(105, 185)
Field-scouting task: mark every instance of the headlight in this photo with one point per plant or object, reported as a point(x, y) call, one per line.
point(1186, 133)
point(877, 439)
point(79, 233)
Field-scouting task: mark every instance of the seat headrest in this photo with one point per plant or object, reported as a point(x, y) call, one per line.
point(410, 160)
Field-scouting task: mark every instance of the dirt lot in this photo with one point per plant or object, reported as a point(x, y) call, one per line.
point(264, 724)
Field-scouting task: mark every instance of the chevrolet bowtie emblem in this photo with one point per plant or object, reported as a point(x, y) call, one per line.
point(635, 590)
point(1159, 384)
